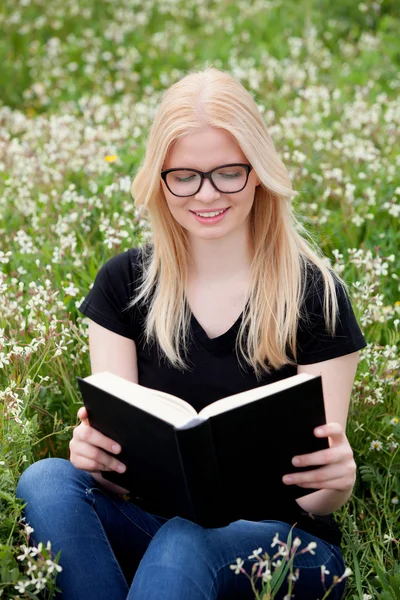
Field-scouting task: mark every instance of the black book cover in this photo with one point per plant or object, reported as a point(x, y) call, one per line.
point(226, 468)
point(255, 445)
point(154, 473)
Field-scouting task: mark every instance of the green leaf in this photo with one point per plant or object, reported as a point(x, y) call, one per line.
point(280, 573)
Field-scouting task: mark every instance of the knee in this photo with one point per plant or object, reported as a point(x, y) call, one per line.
point(43, 478)
point(179, 537)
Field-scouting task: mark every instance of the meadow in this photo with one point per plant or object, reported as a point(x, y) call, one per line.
point(80, 83)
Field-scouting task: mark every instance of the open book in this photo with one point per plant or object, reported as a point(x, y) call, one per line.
point(208, 466)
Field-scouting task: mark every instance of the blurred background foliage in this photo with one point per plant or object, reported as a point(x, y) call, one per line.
point(80, 84)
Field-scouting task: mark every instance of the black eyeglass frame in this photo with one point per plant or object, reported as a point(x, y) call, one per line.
point(206, 176)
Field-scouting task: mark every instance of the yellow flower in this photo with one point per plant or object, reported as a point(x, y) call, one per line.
point(394, 421)
point(30, 111)
point(397, 303)
point(111, 158)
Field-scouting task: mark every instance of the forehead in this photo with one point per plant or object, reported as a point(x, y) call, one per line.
point(204, 149)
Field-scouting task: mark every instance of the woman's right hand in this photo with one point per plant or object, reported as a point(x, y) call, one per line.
point(87, 448)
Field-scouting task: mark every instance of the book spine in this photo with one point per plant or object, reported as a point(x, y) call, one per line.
point(200, 466)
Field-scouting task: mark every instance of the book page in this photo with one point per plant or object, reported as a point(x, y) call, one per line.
point(167, 407)
point(252, 395)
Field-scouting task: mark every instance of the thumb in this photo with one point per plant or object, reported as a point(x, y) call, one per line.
point(83, 415)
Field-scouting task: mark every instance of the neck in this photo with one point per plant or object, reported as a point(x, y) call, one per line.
point(221, 259)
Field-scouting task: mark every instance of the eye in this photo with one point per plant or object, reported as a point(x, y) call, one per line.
point(184, 179)
point(226, 175)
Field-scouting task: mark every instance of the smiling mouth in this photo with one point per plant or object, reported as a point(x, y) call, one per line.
point(216, 210)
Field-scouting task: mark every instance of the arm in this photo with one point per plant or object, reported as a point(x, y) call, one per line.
point(116, 354)
point(339, 472)
point(112, 352)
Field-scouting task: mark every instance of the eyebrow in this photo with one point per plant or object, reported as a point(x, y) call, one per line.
point(232, 162)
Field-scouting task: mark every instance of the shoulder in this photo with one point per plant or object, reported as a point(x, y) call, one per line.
point(127, 261)
point(117, 279)
point(122, 270)
point(315, 341)
point(113, 288)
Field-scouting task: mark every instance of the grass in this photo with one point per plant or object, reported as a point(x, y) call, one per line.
point(81, 82)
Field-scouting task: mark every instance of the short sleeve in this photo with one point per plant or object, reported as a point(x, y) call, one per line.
point(113, 287)
point(314, 342)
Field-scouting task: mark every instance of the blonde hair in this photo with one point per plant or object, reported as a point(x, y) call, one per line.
point(278, 272)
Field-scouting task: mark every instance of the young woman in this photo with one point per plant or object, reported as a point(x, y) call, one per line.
point(214, 305)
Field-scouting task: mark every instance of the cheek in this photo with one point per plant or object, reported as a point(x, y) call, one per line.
point(174, 203)
point(170, 199)
point(245, 200)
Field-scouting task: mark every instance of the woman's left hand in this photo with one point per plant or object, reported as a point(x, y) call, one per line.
point(337, 468)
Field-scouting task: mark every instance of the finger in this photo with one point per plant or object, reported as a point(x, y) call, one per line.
point(82, 413)
point(322, 457)
point(87, 464)
point(334, 471)
point(90, 435)
point(332, 430)
point(346, 482)
point(103, 460)
point(332, 484)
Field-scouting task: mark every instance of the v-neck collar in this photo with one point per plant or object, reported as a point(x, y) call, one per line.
point(221, 344)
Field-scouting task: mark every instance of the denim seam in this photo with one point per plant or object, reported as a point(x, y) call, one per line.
point(122, 512)
point(88, 492)
point(325, 563)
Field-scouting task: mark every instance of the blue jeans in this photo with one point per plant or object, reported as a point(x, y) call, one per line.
point(113, 550)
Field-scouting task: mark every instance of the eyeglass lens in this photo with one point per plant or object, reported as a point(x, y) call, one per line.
point(227, 180)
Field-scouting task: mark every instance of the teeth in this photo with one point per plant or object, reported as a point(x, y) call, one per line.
point(213, 214)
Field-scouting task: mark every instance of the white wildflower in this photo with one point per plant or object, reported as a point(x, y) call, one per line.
point(22, 585)
point(26, 552)
point(39, 581)
point(52, 565)
point(275, 540)
point(376, 445)
point(4, 257)
point(238, 566)
point(71, 290)
point(346, 573)
point(3, 360)
point(294, 576)
point(31, 567)
point(256, 553)
point(267, 575)
point(36, 550)
point(311, 547)
point(276, 563)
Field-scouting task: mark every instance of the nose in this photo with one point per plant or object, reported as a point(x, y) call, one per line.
point(207, 191)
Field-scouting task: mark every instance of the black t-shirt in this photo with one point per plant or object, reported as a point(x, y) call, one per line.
point(214, 368)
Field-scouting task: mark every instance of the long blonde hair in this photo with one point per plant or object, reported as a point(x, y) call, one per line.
point(278, 272)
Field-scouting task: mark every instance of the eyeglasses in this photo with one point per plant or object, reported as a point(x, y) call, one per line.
point(227, 179)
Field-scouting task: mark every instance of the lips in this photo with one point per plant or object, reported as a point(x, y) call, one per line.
point(208, 211)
